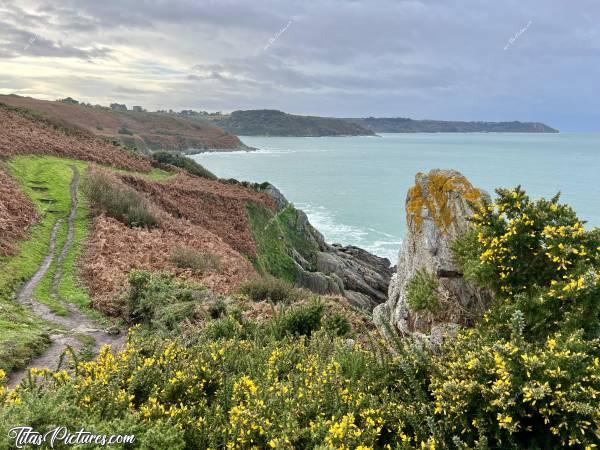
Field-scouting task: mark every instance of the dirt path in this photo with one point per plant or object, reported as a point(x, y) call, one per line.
point(70, 328)
point(70, 233)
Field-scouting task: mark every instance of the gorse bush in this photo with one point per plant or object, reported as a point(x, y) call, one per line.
point(272, 289)
point(183, 162)
point(537, 256)
point(500, 389)
point(421, 292)
point(189, 258)
point(159, 301)
point(120, 202)
point(506, 380)
point(291, 393)
point(302, 320)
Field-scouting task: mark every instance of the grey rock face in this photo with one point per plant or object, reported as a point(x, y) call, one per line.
point(437, 211)
point(361, 277)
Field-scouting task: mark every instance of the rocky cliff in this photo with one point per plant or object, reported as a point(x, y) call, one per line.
point(311, 262)
point(437, 211)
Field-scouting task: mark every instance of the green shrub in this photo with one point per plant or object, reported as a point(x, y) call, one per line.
point(537, 256)
point(183, 162)
point(492, 383)
point(301, 320)
point(159, 301)
point(217, 309)
point(231, 327)
point(338, 324)
point(421, 292)
point(120, 202)
point(270, 289)
point(466, 250)
point(125, 130)
point(189, 258)
point(162, 436)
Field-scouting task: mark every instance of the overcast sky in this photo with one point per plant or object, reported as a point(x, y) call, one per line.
point(447, 59)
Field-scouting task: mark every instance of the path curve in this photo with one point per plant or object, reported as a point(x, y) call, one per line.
point(75, 323)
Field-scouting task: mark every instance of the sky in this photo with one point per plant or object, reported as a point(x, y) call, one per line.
point(535, 60)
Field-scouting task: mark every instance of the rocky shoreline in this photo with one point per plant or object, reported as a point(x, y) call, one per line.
point(361, 277)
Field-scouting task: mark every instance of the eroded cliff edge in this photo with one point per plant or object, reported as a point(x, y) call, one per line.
point(289, 247)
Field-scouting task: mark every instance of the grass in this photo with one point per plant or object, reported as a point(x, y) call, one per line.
point(421, 292)
point(271, 289)
point(23, 335)
point(121, 202)
point(54, 175)
point(276, 236)
point(155, 174)
point(189, 258)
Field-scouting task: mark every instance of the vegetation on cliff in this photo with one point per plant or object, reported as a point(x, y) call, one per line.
point(526, 376)
point(405, 125)
point(139, 130)
point(220, 357)
point(183, 162)
point(269, 122)
point(276, 239)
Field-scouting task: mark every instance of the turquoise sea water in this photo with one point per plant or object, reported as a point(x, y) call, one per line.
point(353, 188)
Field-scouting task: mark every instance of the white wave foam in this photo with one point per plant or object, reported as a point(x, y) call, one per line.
point(225, 154)
point(375, 241)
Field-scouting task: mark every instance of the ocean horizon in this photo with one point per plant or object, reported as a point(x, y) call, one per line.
point(353, 188)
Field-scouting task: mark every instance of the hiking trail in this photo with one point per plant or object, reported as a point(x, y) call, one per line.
point(70, 328)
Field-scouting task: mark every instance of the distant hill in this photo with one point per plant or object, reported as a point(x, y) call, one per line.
point(270, 122)
point(135, 129)
point(404, 125)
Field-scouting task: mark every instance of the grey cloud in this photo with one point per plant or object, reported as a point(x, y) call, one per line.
point(15, 42)
point(421, 58)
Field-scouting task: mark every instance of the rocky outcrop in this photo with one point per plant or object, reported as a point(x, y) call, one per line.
point(350, 271)
point(437, 211)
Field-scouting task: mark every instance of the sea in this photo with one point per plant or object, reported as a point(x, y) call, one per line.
point(353, 188)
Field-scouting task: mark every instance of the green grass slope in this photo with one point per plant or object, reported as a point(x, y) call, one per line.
point(276, 239)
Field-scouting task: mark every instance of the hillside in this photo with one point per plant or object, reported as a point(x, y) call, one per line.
point(268, 122)
point(143, 296)
point(78, 215)
point(141, 130)
point(405, 125)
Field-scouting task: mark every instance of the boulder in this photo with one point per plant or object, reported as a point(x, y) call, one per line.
point(437, 210)
point(320, 283)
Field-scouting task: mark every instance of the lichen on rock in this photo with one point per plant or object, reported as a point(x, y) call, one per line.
point(435, 192)
point(437, 210)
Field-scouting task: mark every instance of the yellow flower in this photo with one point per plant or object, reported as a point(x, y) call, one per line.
point(504, 421)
